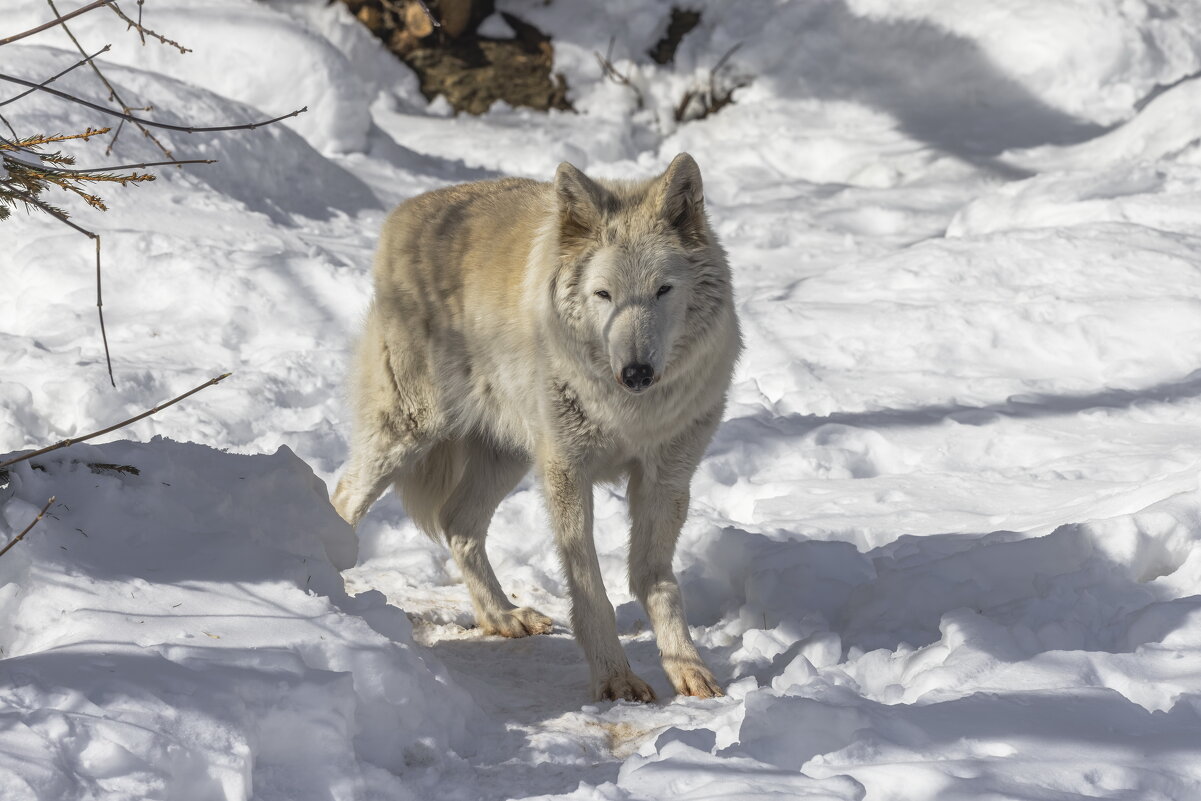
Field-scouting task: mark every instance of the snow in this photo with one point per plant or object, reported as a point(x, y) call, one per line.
point(182, 631)
point(945, 545)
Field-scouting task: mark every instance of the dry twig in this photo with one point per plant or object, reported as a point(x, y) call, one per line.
point(89, 7)
point(713, 99)
point(28, 528)
point(143, 31)
point(122, 424)
point(112, 92)
point(85, 60)
point(108, 359)
point(611, 72)
point(113, 112)
point(98, 173)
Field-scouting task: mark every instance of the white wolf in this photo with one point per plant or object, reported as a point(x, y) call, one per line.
point(585, 328)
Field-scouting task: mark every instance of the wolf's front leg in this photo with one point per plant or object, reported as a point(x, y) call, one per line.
point(658, 507)
point(569, 499)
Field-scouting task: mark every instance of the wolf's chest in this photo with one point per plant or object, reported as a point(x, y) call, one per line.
point(617, 424)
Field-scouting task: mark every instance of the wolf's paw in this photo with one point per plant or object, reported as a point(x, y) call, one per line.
point(692, 678)
point(520, 622)
point(623, 687)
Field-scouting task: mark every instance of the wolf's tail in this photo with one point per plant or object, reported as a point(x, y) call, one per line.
point(425, 487)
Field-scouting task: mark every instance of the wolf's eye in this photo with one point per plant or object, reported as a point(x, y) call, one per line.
point(663, 290)
point(600, 293)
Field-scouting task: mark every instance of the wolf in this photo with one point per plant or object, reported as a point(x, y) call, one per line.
point(584, 328)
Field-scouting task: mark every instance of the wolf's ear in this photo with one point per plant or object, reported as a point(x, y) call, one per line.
point(682, 198)
point(580, 202)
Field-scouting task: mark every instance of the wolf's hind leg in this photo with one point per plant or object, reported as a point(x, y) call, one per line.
point(391, 430)
point(375, 460)
point(488, 476)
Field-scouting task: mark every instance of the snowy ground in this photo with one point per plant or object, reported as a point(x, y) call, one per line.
point(946, 545)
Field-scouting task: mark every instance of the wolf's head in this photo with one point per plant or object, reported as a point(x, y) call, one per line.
point(638, 268)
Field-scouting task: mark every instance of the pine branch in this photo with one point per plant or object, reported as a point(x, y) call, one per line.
point(92, 200)
point(35, 141)
point(58, 214)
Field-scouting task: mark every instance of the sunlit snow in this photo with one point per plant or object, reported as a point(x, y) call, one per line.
point(946, 545)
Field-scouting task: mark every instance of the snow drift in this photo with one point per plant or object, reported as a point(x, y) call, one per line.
point(945, 544)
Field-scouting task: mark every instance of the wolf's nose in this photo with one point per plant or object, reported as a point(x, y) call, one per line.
point(638, 376)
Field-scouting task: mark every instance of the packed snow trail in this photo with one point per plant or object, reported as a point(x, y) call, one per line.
point(946, 544)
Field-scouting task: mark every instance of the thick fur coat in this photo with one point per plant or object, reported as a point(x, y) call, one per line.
point(584, 328)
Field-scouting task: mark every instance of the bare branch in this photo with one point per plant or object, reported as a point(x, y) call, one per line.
point(143, 31)
point(108, 359)
point(89, 7)
point(112, 91)
point(33, 201)
point(171, 163)
point(122, 424)
point(715, 98)
point(28, 528)
point(9, 126)
point(152, 123)
point(90, 171)
point(721, 62)
point(717, 68)
point(86, 60)
point(610, 72)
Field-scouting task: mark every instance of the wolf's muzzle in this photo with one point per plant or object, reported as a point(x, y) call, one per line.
point(637, 377)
